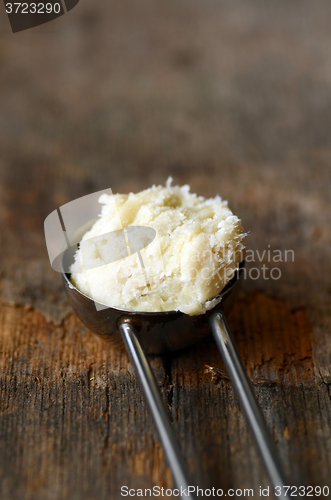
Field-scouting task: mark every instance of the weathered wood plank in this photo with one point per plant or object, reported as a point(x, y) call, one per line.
point(72, 420)
point(69, 396)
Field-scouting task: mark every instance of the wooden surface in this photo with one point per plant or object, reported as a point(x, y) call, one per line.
point(233, 98)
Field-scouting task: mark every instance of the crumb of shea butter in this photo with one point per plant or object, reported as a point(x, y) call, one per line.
point(199, 245)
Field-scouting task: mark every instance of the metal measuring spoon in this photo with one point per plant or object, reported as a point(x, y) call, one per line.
point(159, 332)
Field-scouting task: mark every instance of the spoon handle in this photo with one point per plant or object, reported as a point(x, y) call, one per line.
point(159, 413)
point(244, 392)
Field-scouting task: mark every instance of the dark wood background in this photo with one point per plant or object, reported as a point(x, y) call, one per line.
point(233, 98)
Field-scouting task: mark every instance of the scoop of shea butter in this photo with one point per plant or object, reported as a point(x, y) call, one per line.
point(198, 247)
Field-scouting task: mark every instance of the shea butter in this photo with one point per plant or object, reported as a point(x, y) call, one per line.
point(198, 246)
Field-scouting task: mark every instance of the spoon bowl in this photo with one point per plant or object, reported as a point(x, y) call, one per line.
point(159, 332)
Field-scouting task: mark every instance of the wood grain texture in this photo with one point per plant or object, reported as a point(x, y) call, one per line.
point(232, 98)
